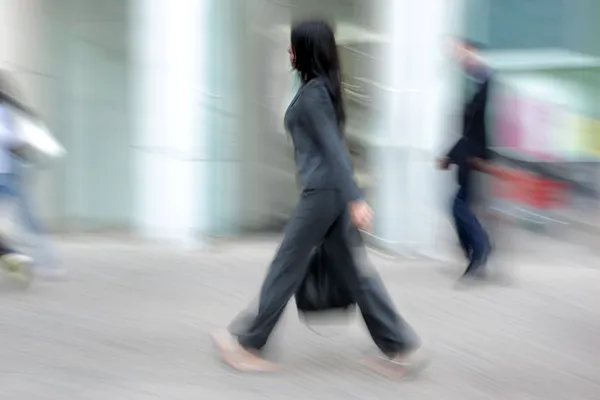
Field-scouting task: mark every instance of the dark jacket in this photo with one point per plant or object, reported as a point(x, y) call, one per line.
point(322, 159)
point(474, 142)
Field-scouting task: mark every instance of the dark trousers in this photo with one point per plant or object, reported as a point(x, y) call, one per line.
point(471, 235)
point(321, 217)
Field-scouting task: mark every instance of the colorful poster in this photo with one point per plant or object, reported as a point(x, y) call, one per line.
point(569, 128)
point(535, 122)
point(543, 128)
point(508, 122)
point(555, 116)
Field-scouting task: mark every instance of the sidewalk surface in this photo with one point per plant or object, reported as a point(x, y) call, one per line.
point(132, 322)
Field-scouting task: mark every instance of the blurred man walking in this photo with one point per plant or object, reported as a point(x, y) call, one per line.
point(470, 154)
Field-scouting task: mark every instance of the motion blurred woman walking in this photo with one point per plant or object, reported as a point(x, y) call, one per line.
point(330, 211)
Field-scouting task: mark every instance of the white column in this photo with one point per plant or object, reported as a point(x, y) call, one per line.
point(167, 47)
point(408, 196)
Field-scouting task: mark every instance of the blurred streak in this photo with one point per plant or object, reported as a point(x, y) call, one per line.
point(171, 113)
point(116, 79)
point(402, 90)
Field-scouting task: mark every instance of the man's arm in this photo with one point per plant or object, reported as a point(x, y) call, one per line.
point(457, 154)
point(459, 151)
point(488, 168)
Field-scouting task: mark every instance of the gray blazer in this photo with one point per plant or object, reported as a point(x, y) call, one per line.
point(322, 160)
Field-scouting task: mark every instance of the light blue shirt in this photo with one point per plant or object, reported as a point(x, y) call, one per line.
point(8, 140)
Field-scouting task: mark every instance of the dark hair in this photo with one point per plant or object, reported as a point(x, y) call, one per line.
point(316, 56)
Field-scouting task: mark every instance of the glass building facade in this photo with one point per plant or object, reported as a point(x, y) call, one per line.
point(171, 111)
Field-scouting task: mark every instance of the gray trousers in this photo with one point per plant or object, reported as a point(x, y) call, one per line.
point(321, 218)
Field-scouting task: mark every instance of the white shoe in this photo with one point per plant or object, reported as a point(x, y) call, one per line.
point(17, 267)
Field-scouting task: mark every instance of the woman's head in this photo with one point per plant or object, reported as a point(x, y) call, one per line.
point(313, 48)
point(313, 53)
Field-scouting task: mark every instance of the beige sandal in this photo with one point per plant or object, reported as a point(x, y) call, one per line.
point(403, 366)
point(237, 357)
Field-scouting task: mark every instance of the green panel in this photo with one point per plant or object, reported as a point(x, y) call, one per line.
point(98, 169)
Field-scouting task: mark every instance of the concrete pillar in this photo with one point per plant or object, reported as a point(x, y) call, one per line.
point(223, 97)
point(191, 80)
point(168, 45)
point(417, 81)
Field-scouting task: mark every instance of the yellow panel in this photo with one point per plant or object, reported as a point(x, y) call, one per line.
point(568, 128)
point(591, 136)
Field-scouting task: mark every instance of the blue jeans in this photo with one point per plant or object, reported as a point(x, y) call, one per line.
point(473, 238)
point(11, 188)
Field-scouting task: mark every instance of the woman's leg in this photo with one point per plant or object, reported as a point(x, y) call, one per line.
point(40, 242)
point(389, 331)
point(242, 322)
point(314, 215)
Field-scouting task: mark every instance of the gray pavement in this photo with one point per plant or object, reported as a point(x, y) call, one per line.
point(132, 320)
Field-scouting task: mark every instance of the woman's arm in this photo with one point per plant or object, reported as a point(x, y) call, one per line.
point(319, 119)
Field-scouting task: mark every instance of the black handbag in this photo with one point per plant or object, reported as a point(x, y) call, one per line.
point(321, 290)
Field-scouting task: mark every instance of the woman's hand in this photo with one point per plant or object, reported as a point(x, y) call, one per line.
point(361, 214)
